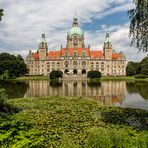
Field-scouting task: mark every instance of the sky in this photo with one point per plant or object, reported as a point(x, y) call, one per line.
point(25, 20)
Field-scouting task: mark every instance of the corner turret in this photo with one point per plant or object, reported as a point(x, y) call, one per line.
point(107, 47)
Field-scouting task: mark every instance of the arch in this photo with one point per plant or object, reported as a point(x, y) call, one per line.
point(83, 71)
point(53, 64)
point(74, 62)
point(66, 71)
point(75, 72)
point(58, 64)
point(66, 63)
point(84, 63)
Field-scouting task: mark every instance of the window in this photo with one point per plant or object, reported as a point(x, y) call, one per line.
point(66, 63)
point(53, 64)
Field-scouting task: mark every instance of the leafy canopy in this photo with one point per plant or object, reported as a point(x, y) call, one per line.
point(11, 65)
point(139, 24)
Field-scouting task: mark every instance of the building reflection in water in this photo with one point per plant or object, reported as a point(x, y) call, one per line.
point(107, 92)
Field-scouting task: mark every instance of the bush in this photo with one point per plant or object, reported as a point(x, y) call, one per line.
point(5, 108)
point(141, 76)
point(56, 74)
point(117, 138)
point(94, 74)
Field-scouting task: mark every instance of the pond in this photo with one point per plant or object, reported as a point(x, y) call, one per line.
point(117, 93)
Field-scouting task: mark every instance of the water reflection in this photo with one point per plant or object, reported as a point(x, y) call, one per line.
point(107, 93)
point(121, 93)
point(14, 89)
point(138, 87)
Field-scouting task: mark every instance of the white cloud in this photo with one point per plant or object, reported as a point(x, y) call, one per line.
point(24, 21)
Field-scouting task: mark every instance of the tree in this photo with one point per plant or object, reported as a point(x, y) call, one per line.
point(56, 74)
point(1, 14)
point(94, 74)
point(144, 66)
point(5, 75)
point(15, 65)
point(139, 24)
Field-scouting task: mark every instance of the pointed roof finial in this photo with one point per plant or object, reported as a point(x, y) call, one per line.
point(75, 15)
point(107, 38)
point(43, 38)
point(75, 21)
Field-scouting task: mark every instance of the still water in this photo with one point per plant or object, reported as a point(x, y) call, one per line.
point(118, 93)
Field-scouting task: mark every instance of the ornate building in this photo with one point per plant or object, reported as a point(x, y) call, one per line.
point(76, 58)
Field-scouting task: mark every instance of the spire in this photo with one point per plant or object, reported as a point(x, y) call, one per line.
point(75, 21)
point(107, 38)
point(43, 38)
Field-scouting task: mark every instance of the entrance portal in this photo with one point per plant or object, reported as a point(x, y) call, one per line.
point(75, 72)
point(66, 71)
point(83, 71)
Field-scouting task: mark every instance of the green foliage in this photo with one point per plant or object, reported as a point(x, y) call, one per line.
point(56, 74)
point(94, 74)
point(134, 68)
point(3, 96)
point(1, 13)
point(75, 122)
point(14, 89)
point(5, 75)
point(17, 134)
point(15, 65)
point(144, 66)
point(138, 87)
point(55, 83)
point(5, 108)
point(109, 138)
point(98, 138)
point(138, 24)
point(138, 76)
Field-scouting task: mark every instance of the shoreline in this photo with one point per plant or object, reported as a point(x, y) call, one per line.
point(104, 78)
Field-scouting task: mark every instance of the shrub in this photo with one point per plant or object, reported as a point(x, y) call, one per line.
point(94, 74)
point(117, 138)
point(56, 74)
point(141, 76)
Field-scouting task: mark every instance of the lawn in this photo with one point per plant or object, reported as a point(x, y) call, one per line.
point(72, 122)
point(33, 78)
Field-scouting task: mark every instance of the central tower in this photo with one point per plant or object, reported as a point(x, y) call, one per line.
point(75, 37)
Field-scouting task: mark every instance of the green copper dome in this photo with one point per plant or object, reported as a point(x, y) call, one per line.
point(75, 30)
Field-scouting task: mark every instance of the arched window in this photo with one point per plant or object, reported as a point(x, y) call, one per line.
point(102, 66)
point(75, 64)
point(58, 64)
point(66, 63)
point(92, 65)
point(48, 64)
point(97, 65)
point(53, 65)
point(83, 64)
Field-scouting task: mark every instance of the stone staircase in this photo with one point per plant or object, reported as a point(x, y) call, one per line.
point(74, 77)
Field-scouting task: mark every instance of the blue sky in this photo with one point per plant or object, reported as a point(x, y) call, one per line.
point(24, 21)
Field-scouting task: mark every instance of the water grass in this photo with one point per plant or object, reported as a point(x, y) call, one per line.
point(72, 122)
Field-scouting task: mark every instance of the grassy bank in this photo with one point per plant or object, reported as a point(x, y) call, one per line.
point(33, 78)
point(125, 78)
point(103, 78)
point(72, 122)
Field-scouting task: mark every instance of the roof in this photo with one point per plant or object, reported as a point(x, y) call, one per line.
point(53, 54)
point(75, 30)
point(96, 54)
point(115, 55)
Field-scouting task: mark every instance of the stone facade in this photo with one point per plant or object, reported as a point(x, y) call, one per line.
point(75, 58)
